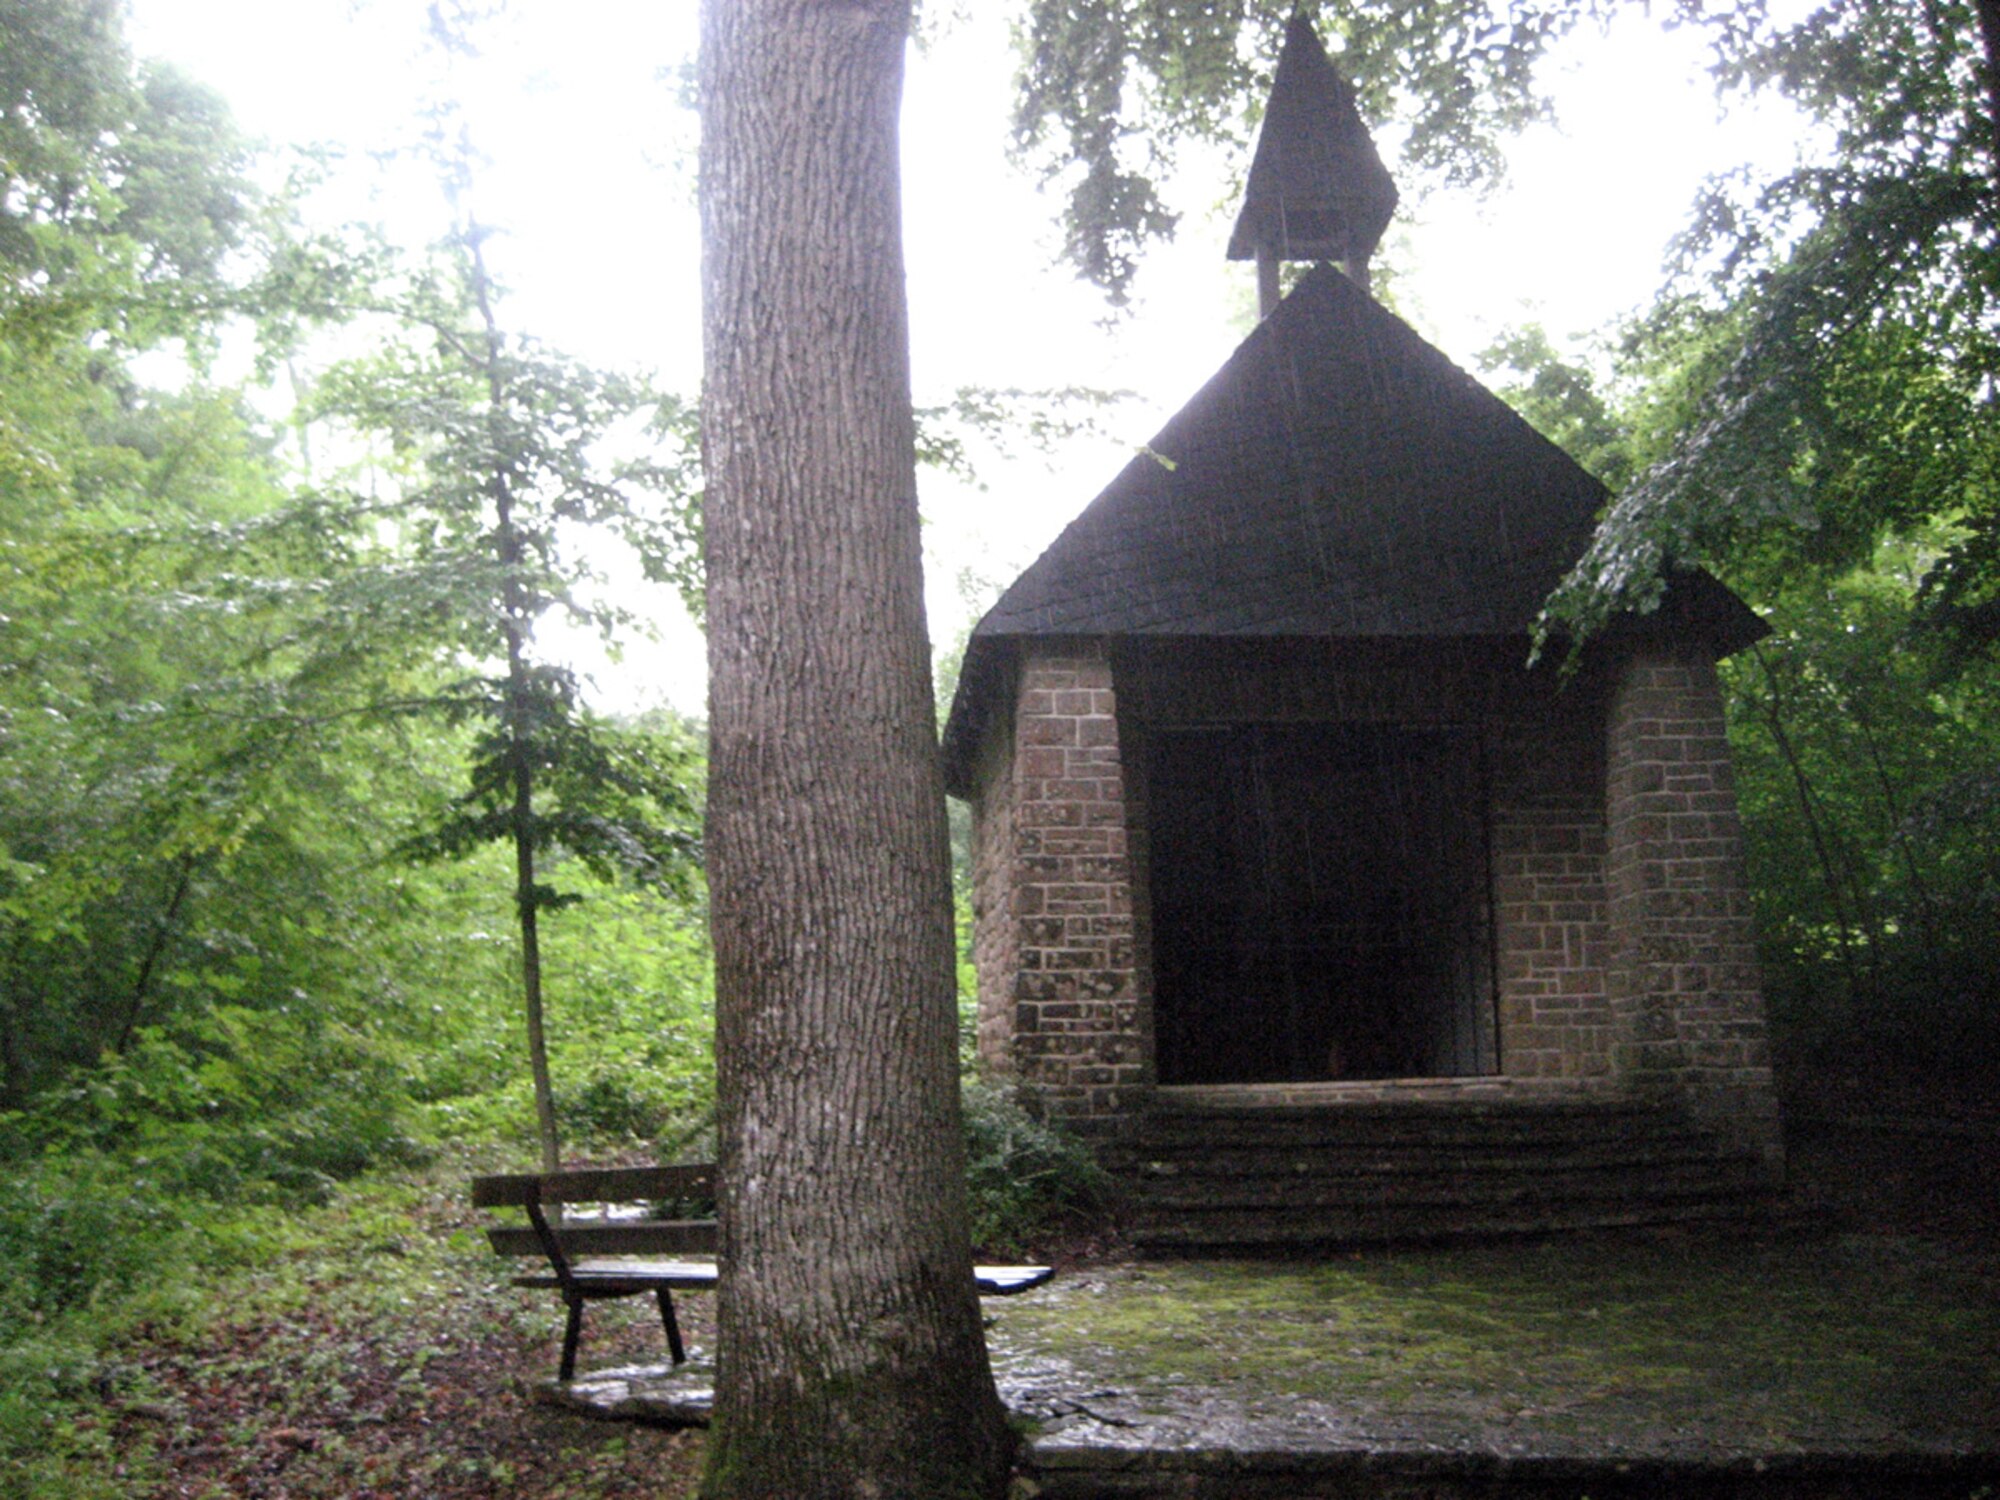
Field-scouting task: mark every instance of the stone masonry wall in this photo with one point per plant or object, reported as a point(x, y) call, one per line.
point(1683, 981)
point(994, 931)
point(1078, 1038)
point(1550, 928)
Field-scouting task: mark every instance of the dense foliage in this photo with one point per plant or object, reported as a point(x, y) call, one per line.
point(1820, 375)
point(239, 691)
point(284, 764)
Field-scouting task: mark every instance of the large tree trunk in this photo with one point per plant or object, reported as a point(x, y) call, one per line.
point(851, 1358)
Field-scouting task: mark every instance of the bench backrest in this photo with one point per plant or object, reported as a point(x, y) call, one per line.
point(644, 1233)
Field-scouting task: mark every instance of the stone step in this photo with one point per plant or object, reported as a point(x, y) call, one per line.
point(1250, 1175)
point(1250, 1103)
point(1164, 1131)
point(1250, 1231)
point(1388, 1169)
point(1251, 1234)
point(1271, 1195)
point(1285, 1158)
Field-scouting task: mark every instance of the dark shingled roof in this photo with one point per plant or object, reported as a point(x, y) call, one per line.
point(1317, 188)
point(1338, 477)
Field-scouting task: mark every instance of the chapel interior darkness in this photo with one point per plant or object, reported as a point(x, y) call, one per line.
point(1320, 904)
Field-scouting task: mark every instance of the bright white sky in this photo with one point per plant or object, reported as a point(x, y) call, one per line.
point(577, 104)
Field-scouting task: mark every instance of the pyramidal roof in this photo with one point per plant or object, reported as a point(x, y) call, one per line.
point(1317, 188)
point(1338, 477)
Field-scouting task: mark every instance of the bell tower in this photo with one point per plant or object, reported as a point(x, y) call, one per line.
point(1317, 189)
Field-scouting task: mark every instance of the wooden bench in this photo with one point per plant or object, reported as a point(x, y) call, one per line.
point(636, 1239)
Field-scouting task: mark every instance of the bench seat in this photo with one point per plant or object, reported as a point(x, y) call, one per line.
point(699, 1275)
point(628, 1247)
point(631, 1276)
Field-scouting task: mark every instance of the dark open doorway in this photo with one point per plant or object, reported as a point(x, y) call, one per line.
point(1320, 903)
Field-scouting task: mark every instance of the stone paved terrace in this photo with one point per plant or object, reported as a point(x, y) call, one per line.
point(1845, 1364)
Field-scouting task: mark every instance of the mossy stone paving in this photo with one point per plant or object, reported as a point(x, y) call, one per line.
point(1855, 1344)
point(1857, 1355)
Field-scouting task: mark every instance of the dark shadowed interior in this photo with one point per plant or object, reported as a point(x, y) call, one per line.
point(1320, 903)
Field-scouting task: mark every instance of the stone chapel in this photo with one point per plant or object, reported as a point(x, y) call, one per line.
point(1298, 890)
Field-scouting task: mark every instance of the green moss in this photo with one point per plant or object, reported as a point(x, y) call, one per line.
point(1783, 1344)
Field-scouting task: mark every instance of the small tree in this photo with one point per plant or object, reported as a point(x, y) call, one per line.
point(504, 492)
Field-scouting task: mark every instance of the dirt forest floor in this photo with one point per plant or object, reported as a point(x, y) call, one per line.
point(389, 1360)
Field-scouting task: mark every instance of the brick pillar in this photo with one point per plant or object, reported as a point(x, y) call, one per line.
point(1687, 1010)
point(1546, 766)
point(1077, 1035)
point(994, 939)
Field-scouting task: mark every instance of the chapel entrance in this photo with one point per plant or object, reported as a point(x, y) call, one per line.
point(1321, 904)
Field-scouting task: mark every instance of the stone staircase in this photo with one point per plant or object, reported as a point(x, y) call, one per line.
point(1245, 1170)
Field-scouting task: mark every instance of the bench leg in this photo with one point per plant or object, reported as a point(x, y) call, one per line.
point(672, 1326)
point(572, 1334)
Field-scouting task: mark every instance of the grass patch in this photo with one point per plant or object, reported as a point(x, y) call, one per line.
point(366, 1347)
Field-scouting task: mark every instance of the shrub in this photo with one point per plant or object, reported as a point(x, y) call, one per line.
point(1026, 1178)
point(242, 1107)
point(610, 1106)
point(77, 1230)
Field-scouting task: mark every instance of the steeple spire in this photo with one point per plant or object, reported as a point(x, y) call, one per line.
point(1317, 189)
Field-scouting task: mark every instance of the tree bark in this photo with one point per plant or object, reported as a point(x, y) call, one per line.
point(163, 932)
point(851, 1359)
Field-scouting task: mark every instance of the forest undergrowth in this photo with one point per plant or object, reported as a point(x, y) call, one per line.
point(362, 1340)
point(366, 1348)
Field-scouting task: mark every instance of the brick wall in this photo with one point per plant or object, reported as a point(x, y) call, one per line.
point(1591, 834)
point(1548, 884)
point(1683, 982)
point(1060, 947)
point(994, 936)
